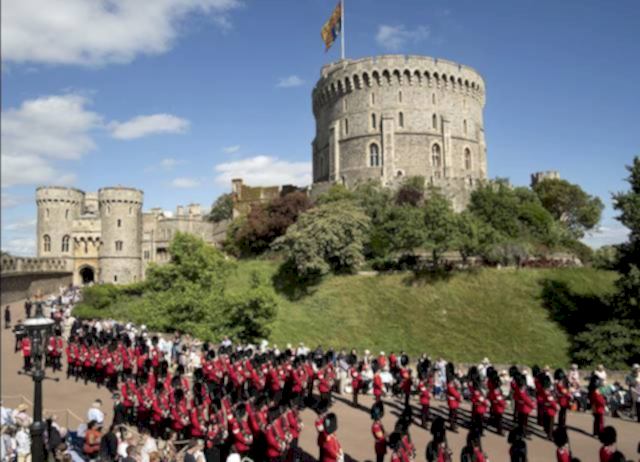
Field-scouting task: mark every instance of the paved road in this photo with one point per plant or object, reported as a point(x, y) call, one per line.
point(353, 424)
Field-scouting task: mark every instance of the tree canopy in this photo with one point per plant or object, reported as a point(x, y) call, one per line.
point(222, 209)
point(570, 205)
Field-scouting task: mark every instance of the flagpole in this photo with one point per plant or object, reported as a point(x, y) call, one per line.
point(342, 27)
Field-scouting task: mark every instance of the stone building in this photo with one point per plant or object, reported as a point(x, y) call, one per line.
point(387, 117)
point(106, 237)
point(244, 196)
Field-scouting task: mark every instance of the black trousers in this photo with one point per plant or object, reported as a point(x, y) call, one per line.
point(523, 421)
point(547, 422)
point(598, 423)
point(562, 417)
point(425, 415)
point(497, 420)
point(453, 417)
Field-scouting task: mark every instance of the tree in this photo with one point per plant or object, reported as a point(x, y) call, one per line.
point(264, 223)
point(441, 230)
point(570, 204)
point(327, 238)
point(605, 257)
point(411, 192)
point(613, 343)
point(627, 300)
point(222, 209)
point(374, 199)
point(474, 235)
point(336, 193)
point(404, 228)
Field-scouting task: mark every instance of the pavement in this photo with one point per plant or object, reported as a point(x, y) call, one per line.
point(70, 400)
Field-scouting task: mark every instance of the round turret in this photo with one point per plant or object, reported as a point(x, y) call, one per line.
point(121, 221)
point(57, 208)
point(392, 116)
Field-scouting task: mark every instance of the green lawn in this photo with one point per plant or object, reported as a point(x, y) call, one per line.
point(494, 313)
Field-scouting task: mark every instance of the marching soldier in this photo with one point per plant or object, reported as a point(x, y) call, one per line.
point(479, 408)
point(498, 403)
point(564, 396)
point(550, 407)
point(331, 449)
point(424, 388)
point(25, 345)
point(598, 405)
point(525, 405)
point(561, 440)
point(356, 381)
point(377, 429)
point(453, 398)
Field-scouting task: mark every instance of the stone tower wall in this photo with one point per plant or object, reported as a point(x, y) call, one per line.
point(403, 94)
point(57, 208)
point(121, 221)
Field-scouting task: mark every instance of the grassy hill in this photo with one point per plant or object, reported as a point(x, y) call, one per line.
point(494, 313)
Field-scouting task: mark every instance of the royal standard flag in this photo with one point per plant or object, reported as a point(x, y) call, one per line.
point(333, 27)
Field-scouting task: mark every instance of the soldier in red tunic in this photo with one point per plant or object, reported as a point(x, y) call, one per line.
point(276, 445)
point(598, 405)
point(498, 403)
point(377, 429)
point(453, 399)
point(424, 388)
point(479, 408)
point(356, 381)
point(331, 449)
point(550, 406)
point(561, 440)
point(563, 395)
point(25, 345)
point(525, 405)
point(608, 437)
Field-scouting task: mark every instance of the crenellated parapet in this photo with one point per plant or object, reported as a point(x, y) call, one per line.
point(342, 77)
point(21, 265)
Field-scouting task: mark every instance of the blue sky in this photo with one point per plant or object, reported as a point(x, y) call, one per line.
point(177, 96)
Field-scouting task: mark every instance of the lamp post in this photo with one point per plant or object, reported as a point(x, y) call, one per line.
point(38, 329)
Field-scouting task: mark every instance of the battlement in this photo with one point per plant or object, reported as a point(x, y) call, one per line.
point(120, 194)
point(14, 265)
point(537, 177)
point(346, 76)
point(59, 194)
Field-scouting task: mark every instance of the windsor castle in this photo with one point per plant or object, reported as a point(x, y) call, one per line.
point(381, 118)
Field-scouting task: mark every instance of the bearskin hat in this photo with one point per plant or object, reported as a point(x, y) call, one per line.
point(608, 436)
point(545, 380)
point(560, 437)
point(535, 370)
point(394, 440)
point(559, 374)
point(404, 360)
point(438, 427)
point(330, 423)
point(514, 371)
point(377, 411)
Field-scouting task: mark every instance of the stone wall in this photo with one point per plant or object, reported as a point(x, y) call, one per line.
point(19, 286)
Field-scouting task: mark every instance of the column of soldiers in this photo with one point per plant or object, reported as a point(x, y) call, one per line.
point(243, 401)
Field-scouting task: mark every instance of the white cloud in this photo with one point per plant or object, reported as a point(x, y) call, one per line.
point(99, 32)
point(607, 235)
point(264, 171)
point(393, 38)
point(148, 125)
point(42, 129)
point(289, 82)
point(22, 246)
point(231, 149)
point(185, 183)
point(28, 224)
point(9, 200)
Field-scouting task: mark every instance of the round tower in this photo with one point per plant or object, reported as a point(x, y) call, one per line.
point(392, 116)
point(57, 208)
point(121, 220)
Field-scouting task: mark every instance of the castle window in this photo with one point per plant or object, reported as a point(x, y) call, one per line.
point(373, 121)
point(119, 223)
point(346, 126)
point(401, 119)
point(46, 243)
point(433, 98)
point(373, 98)
point(46, 213)
point(118, 246)
point(434, 121)
point(464, 123)
point(115, 278)
point(146, 254)
point(467, 158)
point(66, 214)
point(374, 155)
point(65, 244)
point(130, 210)
point(436, 157)
point(400, 96)
point(108, 209)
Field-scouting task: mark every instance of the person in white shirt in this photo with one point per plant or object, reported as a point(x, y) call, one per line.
point(95, 412)
point(6, 416)
point(601, 374)
point(124, 444)
point(149, 445)
point(23, 445)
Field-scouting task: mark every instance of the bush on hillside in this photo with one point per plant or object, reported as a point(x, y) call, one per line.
point(189, 294)
point(329, 238)
point(616, 344)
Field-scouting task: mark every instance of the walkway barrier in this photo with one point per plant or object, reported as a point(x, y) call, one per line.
point(65, 417)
